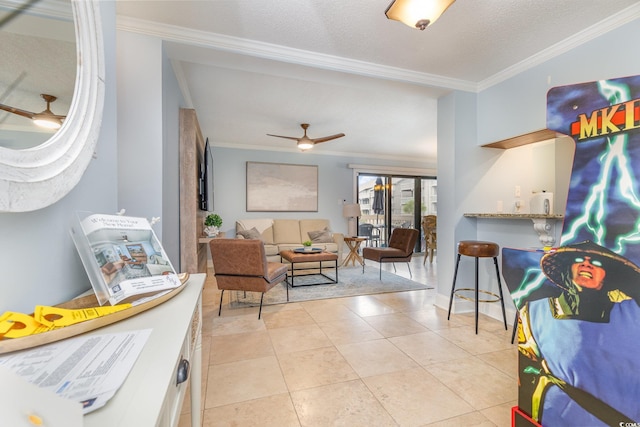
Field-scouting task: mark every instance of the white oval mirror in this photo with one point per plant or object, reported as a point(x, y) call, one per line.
point(37, 177)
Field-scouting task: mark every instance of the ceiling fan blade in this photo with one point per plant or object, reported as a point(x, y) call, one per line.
point(24, 113)
point(327, 138)
point(287, 137)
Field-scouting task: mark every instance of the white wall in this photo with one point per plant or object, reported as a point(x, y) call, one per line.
point(461, 165)
point(531, 167)
point(38, 260)
point(172, 101)
point(149, 102)
point(140, 125)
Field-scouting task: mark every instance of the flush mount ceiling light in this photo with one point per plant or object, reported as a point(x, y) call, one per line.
point(417, 13)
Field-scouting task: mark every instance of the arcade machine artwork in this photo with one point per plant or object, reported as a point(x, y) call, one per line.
point(579, 323)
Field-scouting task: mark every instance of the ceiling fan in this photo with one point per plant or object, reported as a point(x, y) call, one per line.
point(44, 119)
point(305, 143)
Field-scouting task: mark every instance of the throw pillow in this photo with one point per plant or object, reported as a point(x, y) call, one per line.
point(250, 234)
point(321, 236)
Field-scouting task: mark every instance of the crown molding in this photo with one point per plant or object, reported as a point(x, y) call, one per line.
point(286, 54)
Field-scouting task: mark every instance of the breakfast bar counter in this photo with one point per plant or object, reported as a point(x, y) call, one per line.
point(514, 215)
point(543, 224)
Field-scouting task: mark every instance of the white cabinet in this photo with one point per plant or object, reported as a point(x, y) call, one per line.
point(152, 395)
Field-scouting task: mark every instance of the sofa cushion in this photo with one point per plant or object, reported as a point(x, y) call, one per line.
point(307, 225)
point(321, 236)
point(271, 250)
point(250, 234)
point(287, 231)
point(264, 226)
point(329, 247)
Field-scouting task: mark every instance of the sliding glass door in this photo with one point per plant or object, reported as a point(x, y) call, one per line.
point(403, 196)
point(372, 197)
point(391, 201)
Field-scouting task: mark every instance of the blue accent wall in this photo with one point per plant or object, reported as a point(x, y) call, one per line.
point(335, 183)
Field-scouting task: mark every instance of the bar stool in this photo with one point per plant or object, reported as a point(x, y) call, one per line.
point(478, 249)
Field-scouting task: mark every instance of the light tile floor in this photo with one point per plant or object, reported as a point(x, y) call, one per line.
point(378, 360)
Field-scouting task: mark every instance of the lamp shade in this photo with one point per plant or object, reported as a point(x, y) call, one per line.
point(351, 210)
point(417, 13)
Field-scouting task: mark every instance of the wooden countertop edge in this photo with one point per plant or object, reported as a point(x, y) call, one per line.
point(513, 216)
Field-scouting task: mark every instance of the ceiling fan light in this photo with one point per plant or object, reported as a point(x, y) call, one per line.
point(47, 121)
point(304, 145)
point(417, 13)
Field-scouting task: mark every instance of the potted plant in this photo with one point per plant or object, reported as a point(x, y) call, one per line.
point(307, 245)
point(212, 224)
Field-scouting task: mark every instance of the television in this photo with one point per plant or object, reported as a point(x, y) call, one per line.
point(206, 179)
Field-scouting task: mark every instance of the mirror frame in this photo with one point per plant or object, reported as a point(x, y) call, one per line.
point(37, 177)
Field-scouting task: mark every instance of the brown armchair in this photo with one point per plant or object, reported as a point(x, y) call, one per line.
point(241, 265)
point(400, 249)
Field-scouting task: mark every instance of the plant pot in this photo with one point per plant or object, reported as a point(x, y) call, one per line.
point(211, 231)
point(308, 248)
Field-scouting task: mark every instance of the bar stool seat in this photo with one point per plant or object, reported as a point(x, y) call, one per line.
point(478, 249)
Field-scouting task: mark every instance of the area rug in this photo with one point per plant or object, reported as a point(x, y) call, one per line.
point(351, 282)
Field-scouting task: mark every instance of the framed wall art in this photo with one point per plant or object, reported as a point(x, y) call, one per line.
point(281, 187)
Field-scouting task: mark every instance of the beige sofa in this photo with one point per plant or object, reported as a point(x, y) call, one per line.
point(282, 234)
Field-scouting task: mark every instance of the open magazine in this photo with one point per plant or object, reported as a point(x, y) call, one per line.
point(123, 257)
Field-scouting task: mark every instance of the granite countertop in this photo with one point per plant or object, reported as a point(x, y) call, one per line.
point(514, 216)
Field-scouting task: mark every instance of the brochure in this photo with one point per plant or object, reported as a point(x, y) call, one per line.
point(123, 257)
point(88, 369)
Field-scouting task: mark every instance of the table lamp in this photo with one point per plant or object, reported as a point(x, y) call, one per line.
point(351, 211)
